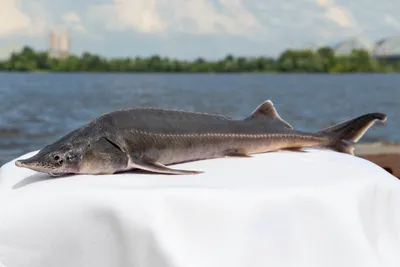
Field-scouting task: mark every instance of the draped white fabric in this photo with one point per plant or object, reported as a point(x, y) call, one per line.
point(318, 208)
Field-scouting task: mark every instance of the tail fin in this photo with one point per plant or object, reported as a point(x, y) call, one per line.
point(343, 136)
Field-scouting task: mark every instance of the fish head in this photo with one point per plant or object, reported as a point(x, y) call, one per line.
point(55, 160)
point(82, 156)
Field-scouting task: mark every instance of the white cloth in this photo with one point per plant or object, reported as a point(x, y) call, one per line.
point(319, 208)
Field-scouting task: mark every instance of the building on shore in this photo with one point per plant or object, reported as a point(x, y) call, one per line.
point(59, 44)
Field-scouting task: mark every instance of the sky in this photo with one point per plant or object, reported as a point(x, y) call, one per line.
point(188, 29)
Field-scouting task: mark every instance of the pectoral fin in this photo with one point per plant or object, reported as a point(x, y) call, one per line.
point(148, 165)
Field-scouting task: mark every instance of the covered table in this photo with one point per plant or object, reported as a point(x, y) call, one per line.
point(318, 208)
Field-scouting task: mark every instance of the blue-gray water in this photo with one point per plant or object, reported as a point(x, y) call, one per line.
point(36, 109)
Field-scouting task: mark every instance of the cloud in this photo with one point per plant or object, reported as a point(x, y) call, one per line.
point(338, 14)
point(72, 21)
point(198, 17)
point(32, 19)
point(28, 19)
point(41, 18)
point(323, 3)
point(71, 17)
point(12, 19)
point(140, 15)
point(391, 21)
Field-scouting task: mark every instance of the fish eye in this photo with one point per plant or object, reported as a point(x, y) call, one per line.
point(70, 157)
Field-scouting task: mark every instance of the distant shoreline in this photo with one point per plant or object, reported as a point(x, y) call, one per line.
point(322, 60)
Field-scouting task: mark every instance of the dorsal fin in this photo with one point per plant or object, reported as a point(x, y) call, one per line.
point(266, 110)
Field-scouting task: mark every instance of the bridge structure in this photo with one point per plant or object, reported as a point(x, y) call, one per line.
point(386, 48)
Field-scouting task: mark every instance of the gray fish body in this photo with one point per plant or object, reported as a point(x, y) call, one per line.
point(149, 139)
point(179, 136)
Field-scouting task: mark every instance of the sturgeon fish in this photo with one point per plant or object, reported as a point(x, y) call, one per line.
point(150, 139)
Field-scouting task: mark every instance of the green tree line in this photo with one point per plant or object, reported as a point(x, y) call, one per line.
point(323, 60)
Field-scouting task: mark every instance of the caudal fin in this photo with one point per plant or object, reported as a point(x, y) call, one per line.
point(343, 136)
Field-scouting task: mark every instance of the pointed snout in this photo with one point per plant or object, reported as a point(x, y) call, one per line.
point(24, 163)
point(29, 163)
point(19, 163)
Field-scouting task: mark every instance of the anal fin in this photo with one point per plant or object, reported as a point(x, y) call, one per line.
point(157, 167)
